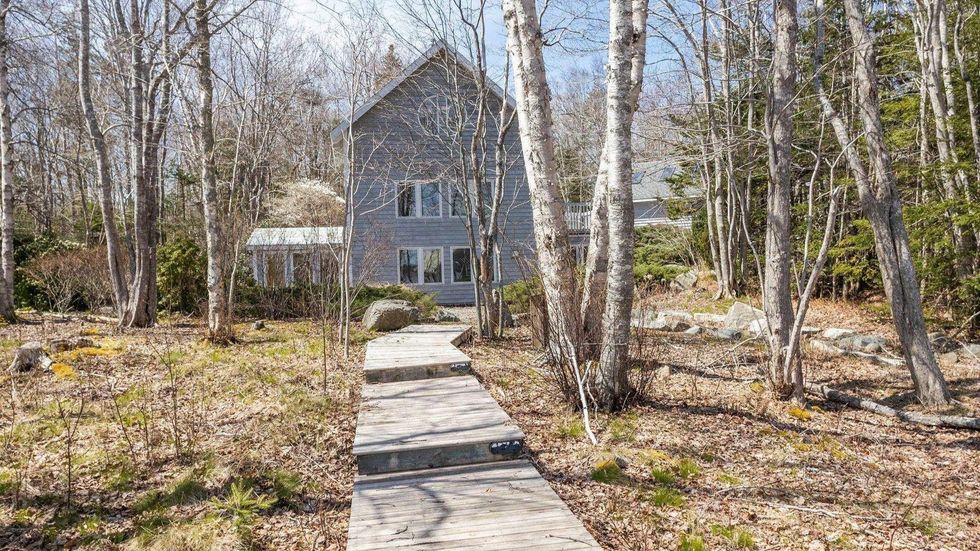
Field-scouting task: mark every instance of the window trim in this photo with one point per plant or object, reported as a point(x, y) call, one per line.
point(420, 269)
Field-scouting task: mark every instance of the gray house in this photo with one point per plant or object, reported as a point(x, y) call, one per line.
point(409, 182)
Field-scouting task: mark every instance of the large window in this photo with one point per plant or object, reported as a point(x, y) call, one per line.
point(434, 114)
point(463, 268)
point(420, 265)
point(420, 200)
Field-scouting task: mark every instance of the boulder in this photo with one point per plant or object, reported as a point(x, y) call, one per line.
point(663, 321)
point(258, 325)
point(834, 333)
point(825, 347)
point(65, 344)
point(948, 358)
point(740, 316)
point(869, 344)
point(708, 319)
point(30, 355)
point(727, 334)
point(389, 315)
point(443, 315)
point(971, 350)
point(758, 328)
point(809, 330)
point(685, 281)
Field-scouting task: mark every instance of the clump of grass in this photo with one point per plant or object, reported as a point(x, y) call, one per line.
point(651, 457)
point(665, 497)
point(926, 526)
point(285, 484)
point(729, 479)
point(186, 489)
point(243, 505)
point(799, 413)
point(831, 446)
point(571, 429)
point(740, 538)
point(687, 468)
point(623, 428)
point(690, 542)
point(607, 471)
point(663, 476)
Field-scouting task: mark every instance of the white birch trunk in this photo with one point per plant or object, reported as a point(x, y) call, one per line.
point(6, 176)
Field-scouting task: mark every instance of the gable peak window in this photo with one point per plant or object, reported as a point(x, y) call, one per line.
point(419, 200)
point(434, 114)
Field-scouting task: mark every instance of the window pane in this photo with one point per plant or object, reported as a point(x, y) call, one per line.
point(430, 199)
point(408, 261)
point(433, 265)
point(406, 200)
point(275, 269)
point(302, 268)
point(461, 265)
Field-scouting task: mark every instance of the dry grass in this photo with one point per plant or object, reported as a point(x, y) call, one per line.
point(713, 461)
point(253, 450)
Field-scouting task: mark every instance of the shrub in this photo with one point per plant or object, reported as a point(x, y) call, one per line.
point(68, 279)
point(518, 294)
point(662, 253)
point(306, 300)
point(181, 275)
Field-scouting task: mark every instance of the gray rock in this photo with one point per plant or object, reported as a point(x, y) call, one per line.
point(825, 347)
point(663, 321)
point(869, 344)
point(708, 319)
point(809, 330)
point(971, 350)
point(834, 333)
point(663, 372)
point(63, 345)
point(694, 330)
point(258, 325)
point(685, 281)
point(740, 316)
point(30, 355)
point(390, 314)
point(727, 334)
point(948, 358)
point(445, 315)
point(758, 328)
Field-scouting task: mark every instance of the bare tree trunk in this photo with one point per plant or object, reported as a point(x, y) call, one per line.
point(7, 173)
point(627, 21)
point(219, 324)
point(102, 163)
point(597, 255)
point(882, 206)
point(555, 259)
point(777, 301)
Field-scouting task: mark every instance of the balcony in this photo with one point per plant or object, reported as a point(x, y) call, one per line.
point(578, 216)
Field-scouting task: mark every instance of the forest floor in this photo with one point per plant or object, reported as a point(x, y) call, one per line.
point(264, 428)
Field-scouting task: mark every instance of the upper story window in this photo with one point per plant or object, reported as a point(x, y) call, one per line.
point(457, 203)
point(420, 200)
point(434, 114)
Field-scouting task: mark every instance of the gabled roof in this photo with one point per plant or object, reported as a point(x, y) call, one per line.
point(295, 237)
point(434, 50)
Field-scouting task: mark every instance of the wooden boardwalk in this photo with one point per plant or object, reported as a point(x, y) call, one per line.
point(438, 458)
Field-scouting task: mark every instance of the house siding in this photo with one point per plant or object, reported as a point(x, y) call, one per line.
point(391, 148)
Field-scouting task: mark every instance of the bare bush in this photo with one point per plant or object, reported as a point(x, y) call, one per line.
point(72, 279)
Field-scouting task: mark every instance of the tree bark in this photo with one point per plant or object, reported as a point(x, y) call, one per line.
point(555, 259)
point(6, 176)
point(627, 22)
point(882, 206)
point(777, 301)
point(219, 325)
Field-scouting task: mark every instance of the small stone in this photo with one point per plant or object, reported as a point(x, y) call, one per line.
point(443, 315)
point(809, 330)
point(695, 330)
point(663, 372)
point(834, 333)
point(685, 281)
point(258, 325)
point(728, 334)
point(622, 462)
point(825, 347)
point(863, 343)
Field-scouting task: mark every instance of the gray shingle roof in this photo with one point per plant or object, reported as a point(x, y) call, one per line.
point(295, 237)
point(650, 181)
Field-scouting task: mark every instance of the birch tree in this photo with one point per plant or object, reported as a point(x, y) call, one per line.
point(6, 174)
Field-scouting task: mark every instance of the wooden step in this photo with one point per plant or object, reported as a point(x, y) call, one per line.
point(417, 352)
point(496, 506)
point(429, 423)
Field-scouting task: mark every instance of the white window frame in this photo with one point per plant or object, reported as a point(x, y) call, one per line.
point(420, 274)
point(452, 274)
point(417, 191)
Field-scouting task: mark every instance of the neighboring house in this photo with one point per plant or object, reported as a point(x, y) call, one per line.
point(409, 227)
point(294, 256)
